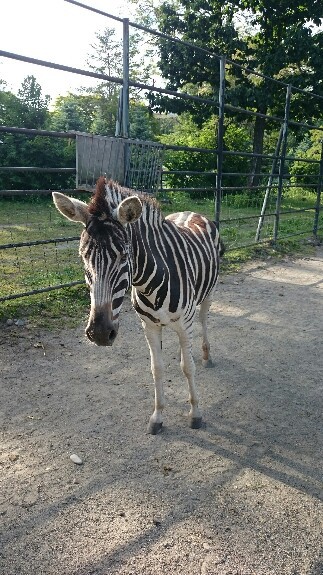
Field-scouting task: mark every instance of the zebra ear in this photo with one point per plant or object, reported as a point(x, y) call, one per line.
point(128, 211)
point(71, 208)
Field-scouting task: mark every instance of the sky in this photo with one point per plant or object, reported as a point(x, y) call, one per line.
point(55, 31)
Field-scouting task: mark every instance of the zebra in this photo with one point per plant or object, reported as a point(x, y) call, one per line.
point(172, 264)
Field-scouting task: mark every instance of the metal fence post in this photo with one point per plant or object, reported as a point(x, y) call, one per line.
point(219, 164)
point(77, 175)
point(269, 185)
point(282, 162)
point(125, 91)
point(318, 196)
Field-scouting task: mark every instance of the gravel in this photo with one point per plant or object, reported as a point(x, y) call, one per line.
point(241, 496)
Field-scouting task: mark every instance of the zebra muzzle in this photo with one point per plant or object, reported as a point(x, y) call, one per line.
point(101, 330)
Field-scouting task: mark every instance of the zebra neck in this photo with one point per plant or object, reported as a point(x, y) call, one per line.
point(150, 270)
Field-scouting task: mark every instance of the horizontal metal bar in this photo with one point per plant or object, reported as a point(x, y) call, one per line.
point(96, 10)
point(62, 67)
point(274, 118)
point(189, 149)
point(305, 160)
point(265, 241)
point(146, 29)
point(74, 134)
point(38, 242)
point(188, 172)
point(188, 189)
point(33, 132)
point(266, 175)
point(12, 193)
point(269, 157)
point(239, 218)
point(300, 185)
point(254, 243)
point(298, 210)
point(138, 143)
point(310, 232)
point(113, 79)
point(250, 155)
point(247, 188)
point(41, 290)
point(303, 125)
point(264, 186)
point(270, 214)
point(252, 113)
point(246, 174)
point(35, 169)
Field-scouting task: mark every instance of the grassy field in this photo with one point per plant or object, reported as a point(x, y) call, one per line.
point(39, 266)
point(29, 268)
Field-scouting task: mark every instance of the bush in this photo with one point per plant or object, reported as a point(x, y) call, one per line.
point(187, 133)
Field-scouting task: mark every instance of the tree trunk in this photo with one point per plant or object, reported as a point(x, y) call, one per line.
point(258, 147)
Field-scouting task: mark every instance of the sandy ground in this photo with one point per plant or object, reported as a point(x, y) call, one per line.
point(241, 496)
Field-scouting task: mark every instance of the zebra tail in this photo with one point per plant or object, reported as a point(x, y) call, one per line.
point(222, 247)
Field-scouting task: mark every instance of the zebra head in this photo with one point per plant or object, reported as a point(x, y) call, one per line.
point(106, 251)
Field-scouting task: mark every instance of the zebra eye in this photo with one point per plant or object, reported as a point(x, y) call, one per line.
point(123, 256)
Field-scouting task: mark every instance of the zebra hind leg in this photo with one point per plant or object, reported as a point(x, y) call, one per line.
point(154, 340)
point(188, 368)
point(203, 317)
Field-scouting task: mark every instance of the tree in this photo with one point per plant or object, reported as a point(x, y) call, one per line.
point(25, 150)
point(186, 134)
point(278, 42)
point(107, 58)
point(10, 109)
point(142, 124)
point(87, 113)
point(310, 148)
point(34, 105)
point(73, 112)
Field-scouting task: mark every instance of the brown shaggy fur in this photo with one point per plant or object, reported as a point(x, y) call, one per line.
point(99, 206)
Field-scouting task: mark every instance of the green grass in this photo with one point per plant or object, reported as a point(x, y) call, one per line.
point(240, 214)
point(234, 259)
point(32, 267)
point(61, 308)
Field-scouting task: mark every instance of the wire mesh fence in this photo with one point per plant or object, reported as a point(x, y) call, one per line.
point(39, 251)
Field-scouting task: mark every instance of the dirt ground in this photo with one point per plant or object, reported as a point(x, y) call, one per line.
point(241, 496)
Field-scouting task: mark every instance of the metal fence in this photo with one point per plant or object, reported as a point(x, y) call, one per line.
point(39, 251)
point(246, 213)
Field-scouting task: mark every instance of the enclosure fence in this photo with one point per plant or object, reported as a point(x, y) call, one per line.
point(253, 191)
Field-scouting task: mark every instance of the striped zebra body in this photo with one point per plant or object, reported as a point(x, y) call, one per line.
point(172, 264)
point(183, 268)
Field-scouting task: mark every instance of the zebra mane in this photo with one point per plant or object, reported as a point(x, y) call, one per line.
point(108, 194)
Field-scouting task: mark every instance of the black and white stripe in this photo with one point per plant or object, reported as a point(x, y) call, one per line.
point(172, 264)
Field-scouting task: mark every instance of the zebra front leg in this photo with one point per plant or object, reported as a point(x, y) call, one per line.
point(188, 368)
point(154, 339)
point(203, 317)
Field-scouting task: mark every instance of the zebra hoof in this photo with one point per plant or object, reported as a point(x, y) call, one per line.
point(154, 427)
point(195, 422)
point(207, 363)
